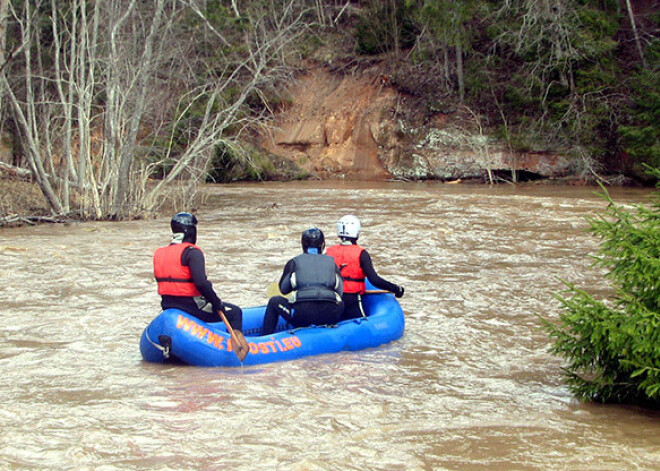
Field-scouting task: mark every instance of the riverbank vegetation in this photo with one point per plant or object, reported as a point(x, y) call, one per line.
point(612, 346)
point(106, 104)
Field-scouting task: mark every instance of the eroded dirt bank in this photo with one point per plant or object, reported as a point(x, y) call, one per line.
point(358, 126)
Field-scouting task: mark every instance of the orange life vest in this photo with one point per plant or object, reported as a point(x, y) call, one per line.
point(173, 278)
point(347, 258)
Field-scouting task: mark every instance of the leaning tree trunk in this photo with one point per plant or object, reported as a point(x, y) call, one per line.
point(32, 149)
point(3, 36)
point(459, 72)
point(3, 43)
point(633, 25)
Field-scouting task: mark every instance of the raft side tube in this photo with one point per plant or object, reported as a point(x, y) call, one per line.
point(208, 344)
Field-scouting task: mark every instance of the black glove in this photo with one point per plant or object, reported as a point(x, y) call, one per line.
point(399, 291)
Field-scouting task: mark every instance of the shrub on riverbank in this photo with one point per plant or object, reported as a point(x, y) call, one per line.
point(612, 346)
point(22, 202)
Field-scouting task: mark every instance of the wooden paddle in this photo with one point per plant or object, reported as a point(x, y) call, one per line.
point(273, 290)
point(238, 342)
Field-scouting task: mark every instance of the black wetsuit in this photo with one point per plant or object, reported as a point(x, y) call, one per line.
point(194, 259)
point(300, 313)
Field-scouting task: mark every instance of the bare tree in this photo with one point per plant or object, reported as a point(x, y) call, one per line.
point(552, 44)
point(546, 29)
point(445, 21)
point(122, 73)
point(4, 6)
point(270, 32)
point(479, 142)
point(26, 113)
point(141, 82)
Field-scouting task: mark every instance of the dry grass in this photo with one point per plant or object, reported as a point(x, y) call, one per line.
point(21, 197)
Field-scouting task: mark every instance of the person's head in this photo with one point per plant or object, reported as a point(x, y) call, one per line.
point(348, 228)
point(186, 224)
point(313, 241)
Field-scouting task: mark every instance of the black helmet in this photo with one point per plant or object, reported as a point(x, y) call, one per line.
point(185, 223)
point(313, 238)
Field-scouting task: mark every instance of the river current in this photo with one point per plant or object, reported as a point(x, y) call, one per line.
point(469, 386)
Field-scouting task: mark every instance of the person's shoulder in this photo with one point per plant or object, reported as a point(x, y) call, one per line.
point(365, 258)
point(194, 252)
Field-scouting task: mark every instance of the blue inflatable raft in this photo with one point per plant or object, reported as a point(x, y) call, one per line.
point(176, 335)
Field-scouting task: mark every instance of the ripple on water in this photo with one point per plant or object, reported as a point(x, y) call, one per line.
point(470, 385)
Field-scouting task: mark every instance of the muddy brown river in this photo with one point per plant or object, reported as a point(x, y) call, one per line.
point(469, 386)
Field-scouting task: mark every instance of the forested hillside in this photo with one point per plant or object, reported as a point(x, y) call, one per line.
point(575, 77)
point(107, 104)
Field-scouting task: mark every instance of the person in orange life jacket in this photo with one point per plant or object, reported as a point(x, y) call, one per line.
point(180, 272)
point(355, 265)
point(316, 284)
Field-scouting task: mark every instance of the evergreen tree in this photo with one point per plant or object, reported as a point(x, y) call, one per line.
point(612, 347)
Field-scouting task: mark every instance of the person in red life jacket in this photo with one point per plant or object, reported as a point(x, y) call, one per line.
point(316, 284)
point(355, 265)
point(180, 272)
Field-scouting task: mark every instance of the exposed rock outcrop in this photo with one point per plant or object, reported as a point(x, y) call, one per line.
point(355, 127)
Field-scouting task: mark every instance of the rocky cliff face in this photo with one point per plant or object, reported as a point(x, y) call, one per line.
point(357, 126)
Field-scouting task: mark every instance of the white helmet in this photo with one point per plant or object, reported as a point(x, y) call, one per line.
point(349, 227)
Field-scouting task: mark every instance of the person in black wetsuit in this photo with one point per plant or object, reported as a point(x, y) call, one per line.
point(180, 271)
point(316, 284)
point(355, 265)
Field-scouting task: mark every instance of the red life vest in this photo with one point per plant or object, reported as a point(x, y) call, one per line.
point(347, 258)
point(173, 278)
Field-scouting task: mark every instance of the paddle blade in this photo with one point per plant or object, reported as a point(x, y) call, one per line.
point(273, 290)
point(238, 342)
point(240, 345)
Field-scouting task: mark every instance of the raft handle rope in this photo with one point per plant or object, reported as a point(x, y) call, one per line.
point(164, 349)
